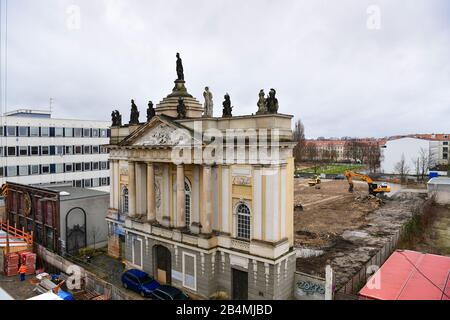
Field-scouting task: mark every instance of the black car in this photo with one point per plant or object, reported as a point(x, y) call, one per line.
point(165, 292)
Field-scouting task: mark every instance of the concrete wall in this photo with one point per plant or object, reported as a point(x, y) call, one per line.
point(308, 287)
point(96, 209)
point(409, 147)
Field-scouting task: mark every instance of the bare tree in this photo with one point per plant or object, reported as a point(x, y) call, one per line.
point(416, 163)
point(402, 168)
point(311, 151)
point(299, 137)
point(424, 163)
point(372, 156)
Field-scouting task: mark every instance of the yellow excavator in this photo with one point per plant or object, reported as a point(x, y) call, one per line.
point(374, 189)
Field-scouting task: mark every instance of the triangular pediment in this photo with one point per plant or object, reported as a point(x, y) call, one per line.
point(159, 132)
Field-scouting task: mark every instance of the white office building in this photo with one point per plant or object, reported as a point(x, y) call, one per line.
point(38, 149)
point(410, 149)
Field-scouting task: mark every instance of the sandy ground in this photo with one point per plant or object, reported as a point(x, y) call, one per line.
point(329, 211)
point(345, 230)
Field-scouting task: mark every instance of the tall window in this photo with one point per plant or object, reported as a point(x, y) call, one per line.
point(125, 200)
point(187, 189)
point(243, 221)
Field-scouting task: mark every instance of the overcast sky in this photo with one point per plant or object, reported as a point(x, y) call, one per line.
point(331, 65)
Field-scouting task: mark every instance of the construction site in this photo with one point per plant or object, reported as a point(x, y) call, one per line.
point(348, 230)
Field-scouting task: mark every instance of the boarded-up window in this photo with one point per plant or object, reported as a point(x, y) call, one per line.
point(189, 271)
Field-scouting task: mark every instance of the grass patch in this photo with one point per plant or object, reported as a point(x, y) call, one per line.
point(331, 168)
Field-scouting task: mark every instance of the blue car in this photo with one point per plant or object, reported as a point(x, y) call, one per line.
point(139, 281)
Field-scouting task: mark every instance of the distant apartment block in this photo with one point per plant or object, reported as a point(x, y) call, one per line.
point(38, 149)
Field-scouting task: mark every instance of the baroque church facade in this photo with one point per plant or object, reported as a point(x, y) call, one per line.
point(206, 225)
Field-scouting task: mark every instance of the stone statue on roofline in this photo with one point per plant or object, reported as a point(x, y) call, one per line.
point(150, 111)
point(180, 70)
point(116, 118)
point(134, 117)
point(181, 109)
point(227, 108)
point(208, 113)
point(272, 102)
point(262, 107)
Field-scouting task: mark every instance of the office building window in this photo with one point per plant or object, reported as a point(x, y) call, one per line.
point(104, 165)
point(45, 132)
point(103, 150)
point(95, 149)
point(68, 132)
point(103, 133)
point(445, 155)
point(45, 168)
point(59, 132)
point(34, 131)
point(23, 131)
point(34, 151)
point(59, 150)
point(1, 131)
point(87, 149)
point(95, 133)
point(445, 143)
point(86, 132)
point(59, 168)
point(94, 165)
point(78, 150)
point(87, 166)
point(34, 169)
point(11, 131)
point(1, 172)
point(79, 183)
point(1, 151)
point(77, 132)
point(11, 151)
point(78, 167)
point(23, 170)
point(11, 171)
point(87, 183)
point(69, 167)
point(23, 151)
point(104, 181)
point(445, 149)
point(95, 182)
point(45, 151)
point(69, 150)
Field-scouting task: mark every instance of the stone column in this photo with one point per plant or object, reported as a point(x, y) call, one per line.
point(181, 198)
point(112, 187)
point(151, 203)
point(207, 201)
point(117, 190)
point(131, 188)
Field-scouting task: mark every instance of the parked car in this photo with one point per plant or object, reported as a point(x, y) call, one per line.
point(139, 281)
point(340, 176)
point(165, 292)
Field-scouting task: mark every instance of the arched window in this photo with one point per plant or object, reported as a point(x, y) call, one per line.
point(187, 189)
point(125, 200)
point(243, 221)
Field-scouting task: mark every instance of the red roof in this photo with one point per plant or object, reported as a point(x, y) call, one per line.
point(410, 275)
